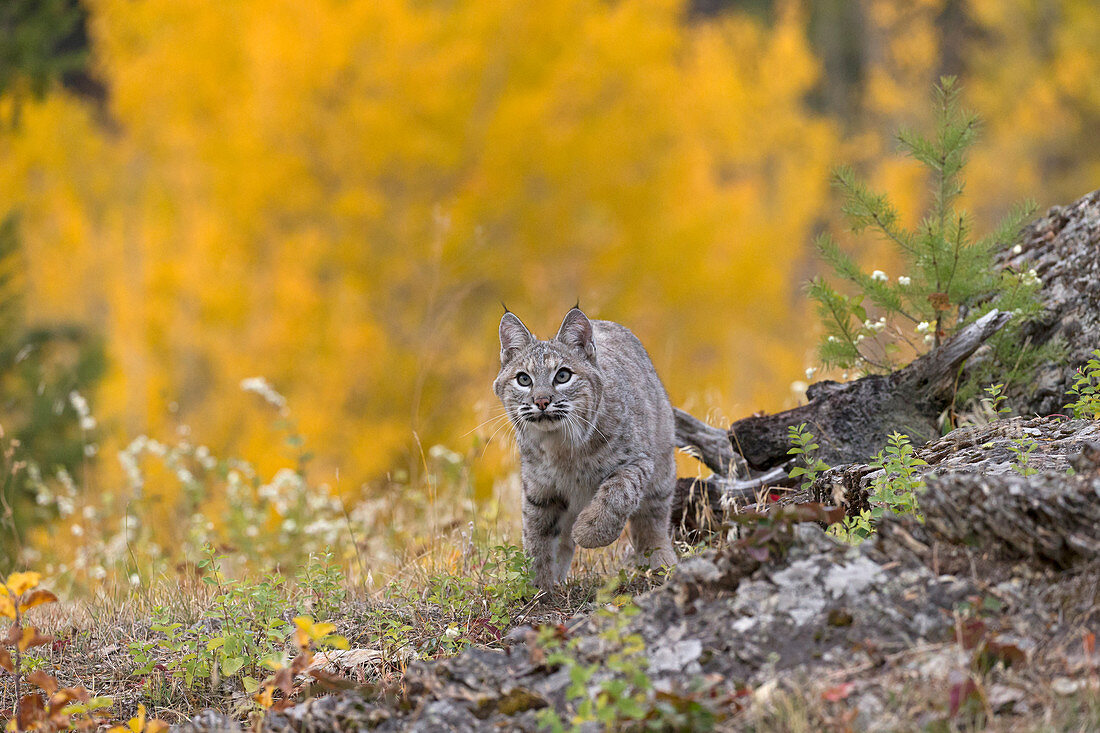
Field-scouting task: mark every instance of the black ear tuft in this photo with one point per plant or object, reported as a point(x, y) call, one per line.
point(513, 336)
point(504, 307)
point(576, 331)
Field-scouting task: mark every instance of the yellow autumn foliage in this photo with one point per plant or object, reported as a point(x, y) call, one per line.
point(338, 195)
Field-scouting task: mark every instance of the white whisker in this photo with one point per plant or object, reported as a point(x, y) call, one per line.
point(490, 420)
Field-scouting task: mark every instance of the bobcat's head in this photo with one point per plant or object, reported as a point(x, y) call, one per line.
point(549, 386)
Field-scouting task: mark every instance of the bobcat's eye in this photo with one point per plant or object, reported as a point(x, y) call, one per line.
point(523, 379)
point(563, 376)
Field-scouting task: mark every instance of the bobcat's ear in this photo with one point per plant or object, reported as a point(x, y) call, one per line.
point(576, 331)
point(513, 336)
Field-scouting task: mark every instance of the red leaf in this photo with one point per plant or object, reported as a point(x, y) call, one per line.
point(1006, 652)
point(838, 693)
point(971, 632)
point(961, 692)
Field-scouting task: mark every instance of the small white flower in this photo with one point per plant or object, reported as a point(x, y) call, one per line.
point(904, 280)
point(260, 386)
point(207, 461)
point(880, 276)
point(859, 338)
point(89, 512)
point(923, 327)
point(929, 339)
point(98, 572)
point(799, 387)
point(831, 339)
point(810, 372)
point(77, 530)
point(65, 506)
point(135, 579)
point(87, 422)
point(252, 531)
point(1017, 249)
point(452, 632)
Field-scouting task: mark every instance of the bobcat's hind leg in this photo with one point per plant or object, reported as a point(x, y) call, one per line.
point(649, 531)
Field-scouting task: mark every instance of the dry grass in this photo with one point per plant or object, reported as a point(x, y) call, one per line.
point(433, 605)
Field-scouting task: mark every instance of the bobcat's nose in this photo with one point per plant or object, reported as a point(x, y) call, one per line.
point(542, 403)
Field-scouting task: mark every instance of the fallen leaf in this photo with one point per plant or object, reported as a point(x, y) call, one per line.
point(838, 693)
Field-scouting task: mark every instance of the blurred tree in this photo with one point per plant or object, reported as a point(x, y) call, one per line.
point(40, 369)
point(42, 41)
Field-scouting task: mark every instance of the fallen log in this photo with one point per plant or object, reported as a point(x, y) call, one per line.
point(851, 421)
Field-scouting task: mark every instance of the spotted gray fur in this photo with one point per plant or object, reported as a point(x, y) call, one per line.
point(595, 441)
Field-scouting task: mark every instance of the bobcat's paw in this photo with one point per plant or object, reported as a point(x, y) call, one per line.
point(543, 579)
point(656, 558)
point(596, 527)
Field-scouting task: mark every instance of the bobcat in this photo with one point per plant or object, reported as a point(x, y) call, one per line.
point(595, 432)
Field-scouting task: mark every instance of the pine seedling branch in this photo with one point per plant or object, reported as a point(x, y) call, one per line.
point(949, 279)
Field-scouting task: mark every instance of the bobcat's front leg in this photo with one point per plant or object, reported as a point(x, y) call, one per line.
point(602, 521)
point(543, 520)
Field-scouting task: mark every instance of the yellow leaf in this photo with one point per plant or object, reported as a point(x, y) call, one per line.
point(7, 608)
point(19, 583)
point(137, 724)
point(265, 697)
point(31, 638)
point(36, 598)
point(336, 642)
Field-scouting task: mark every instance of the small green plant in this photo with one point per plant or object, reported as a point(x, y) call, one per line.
point(802, 444)
point(1086, 388)
point(995, 400)
point(950, 278)
point(1022, 448)
point(242, 627)
point(323, 578)
point(894, 490)
point(626, 699)
point(250, 616)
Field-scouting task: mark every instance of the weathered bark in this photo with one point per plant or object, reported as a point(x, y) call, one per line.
point(851, 421)
point(986, 450)
point(1063, 247)
point(1052, 518)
